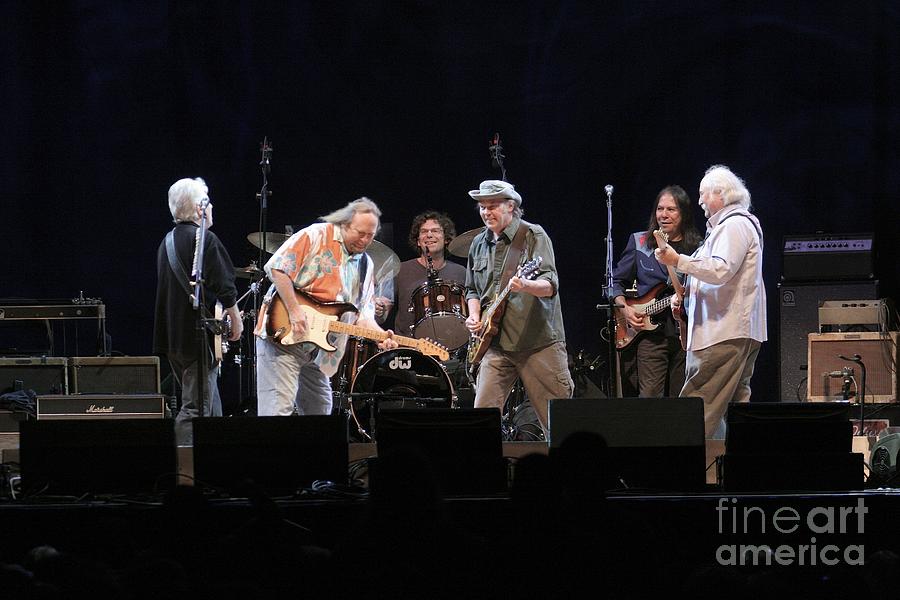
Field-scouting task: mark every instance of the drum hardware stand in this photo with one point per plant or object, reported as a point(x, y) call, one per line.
point(510, 430)
point(249, 351)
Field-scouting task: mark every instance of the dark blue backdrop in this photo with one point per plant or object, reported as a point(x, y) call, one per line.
point(105, 104)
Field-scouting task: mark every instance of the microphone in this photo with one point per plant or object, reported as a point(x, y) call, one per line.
point(266, 148)
point(496, 151)
point(609, 189)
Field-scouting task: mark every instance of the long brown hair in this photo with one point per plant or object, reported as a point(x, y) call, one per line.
point(689, 233)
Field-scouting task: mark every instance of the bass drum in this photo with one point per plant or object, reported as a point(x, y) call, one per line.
point(400, 378)
point(357, 352)
point(439, 313)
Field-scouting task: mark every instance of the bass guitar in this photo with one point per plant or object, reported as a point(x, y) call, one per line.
point(322, 319)
point(491, 317)
point(649, 305)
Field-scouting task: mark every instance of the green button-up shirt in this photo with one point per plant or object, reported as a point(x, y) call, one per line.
point(528, 322)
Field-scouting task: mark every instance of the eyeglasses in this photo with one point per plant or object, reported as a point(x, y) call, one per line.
point(361, 234)
point(436, 231)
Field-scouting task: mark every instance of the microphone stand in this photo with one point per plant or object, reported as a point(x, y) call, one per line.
point(610, 306)
point(265, 164)
point(431, 272)
point(862, 389)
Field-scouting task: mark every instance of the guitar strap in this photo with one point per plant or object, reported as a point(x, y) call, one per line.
point(363, 268)
point(513, 256)
point(174, 264)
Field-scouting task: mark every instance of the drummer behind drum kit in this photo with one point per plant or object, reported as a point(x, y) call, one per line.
point(404, 377)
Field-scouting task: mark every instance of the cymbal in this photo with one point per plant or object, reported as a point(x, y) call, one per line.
point(273, 240)
point(250, 272)
point(459, 246)
point(387, 264)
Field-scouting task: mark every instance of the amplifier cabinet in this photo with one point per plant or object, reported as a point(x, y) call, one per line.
point(102, 406)
point(114, 375)
point(878, 352)
point(44, 375)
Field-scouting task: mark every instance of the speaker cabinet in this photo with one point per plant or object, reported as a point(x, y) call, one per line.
point(879, 353)
point(114, 375)
point(463, 445)
point(798, 317)
point(97, 456)
point(655, 443)
point(43, 375)
point(280, 455)
point(790, 446)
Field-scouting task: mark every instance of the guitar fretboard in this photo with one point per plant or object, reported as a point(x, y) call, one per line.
point(371, 334)
point(658, 306)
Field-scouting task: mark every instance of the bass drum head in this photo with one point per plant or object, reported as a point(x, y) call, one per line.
point(400, 378)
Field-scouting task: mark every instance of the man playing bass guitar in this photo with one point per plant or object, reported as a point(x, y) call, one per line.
point(650, 352)
point(530, 338)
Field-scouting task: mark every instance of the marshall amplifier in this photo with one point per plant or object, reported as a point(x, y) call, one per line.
point(114, 375)
point(102, 406)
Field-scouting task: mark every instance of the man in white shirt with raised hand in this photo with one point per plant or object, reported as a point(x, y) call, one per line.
point(725, 298)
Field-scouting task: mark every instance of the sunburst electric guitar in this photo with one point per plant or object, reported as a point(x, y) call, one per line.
point(322, 319)
point(491, 317)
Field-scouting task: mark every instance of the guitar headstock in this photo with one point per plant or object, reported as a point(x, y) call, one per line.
point(430, 348)
point(529, 269)
point(662, 239)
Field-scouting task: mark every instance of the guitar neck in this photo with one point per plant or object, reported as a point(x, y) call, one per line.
point(657, 306)
point(676, 282)
point(370, 334)
point(497, 301)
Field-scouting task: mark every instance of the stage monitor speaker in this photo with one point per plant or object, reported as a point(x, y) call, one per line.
point(790, 446)
point(655, 443)
point(97, 456)
point(879, 353)
point(464, 445)
point(798, 317)
point(280, 455)
point(114, 375)
point(46, 375)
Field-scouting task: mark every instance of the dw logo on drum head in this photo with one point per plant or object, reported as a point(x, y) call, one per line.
point(400, 362)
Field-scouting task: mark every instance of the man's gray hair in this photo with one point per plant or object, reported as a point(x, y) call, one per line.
point(184, 198)
point(343, 216)
point(734, 191)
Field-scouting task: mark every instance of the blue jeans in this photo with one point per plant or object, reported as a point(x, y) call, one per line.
point(185, 372)
point(289, 382)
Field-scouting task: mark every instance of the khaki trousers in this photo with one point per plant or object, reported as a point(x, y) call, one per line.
point(544, 373)
point(720, 375)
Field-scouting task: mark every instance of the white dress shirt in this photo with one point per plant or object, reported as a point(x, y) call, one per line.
point(725, 293)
